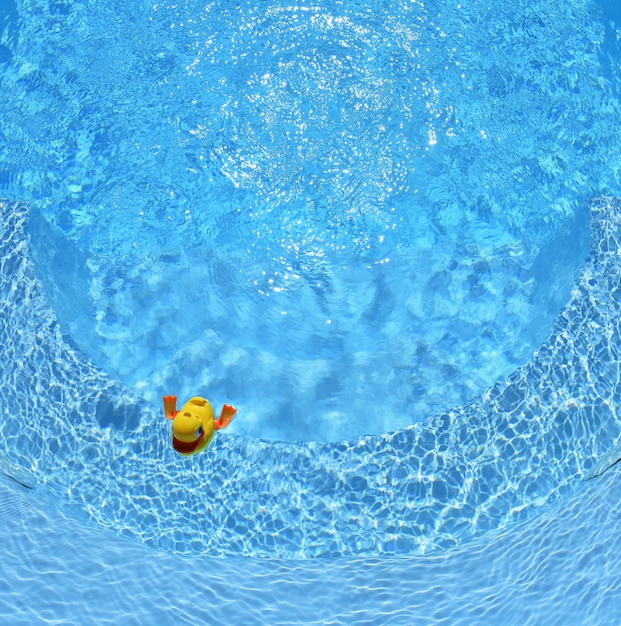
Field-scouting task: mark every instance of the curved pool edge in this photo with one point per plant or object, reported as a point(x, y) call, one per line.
point(427, 487)
point(557, 568)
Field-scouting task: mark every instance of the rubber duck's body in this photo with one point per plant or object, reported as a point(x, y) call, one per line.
point(193, 427)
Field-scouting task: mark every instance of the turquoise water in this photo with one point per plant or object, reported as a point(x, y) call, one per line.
point(369, 230)
point(297, 208)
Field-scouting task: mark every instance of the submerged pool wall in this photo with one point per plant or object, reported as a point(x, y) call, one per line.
point(71, 429)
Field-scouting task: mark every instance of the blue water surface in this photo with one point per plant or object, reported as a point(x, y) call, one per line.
point(254, 200)
point(296, 208)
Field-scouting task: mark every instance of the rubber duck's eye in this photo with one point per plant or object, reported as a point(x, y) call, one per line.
point(199, 431)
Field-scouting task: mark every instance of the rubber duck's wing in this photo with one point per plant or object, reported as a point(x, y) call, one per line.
point(170, 407)
point(226, 417)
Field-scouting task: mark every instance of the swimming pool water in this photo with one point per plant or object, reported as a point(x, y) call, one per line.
point(296, 208)
point(475, 483)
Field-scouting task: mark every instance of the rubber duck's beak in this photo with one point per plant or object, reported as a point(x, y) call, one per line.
point(186, 447)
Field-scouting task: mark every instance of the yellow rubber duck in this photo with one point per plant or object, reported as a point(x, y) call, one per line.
point(193, 427)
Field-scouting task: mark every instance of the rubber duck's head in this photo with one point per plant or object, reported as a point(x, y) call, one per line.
point(192, 427)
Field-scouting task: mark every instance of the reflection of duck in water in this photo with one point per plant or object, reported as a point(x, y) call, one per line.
point(194, 425)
